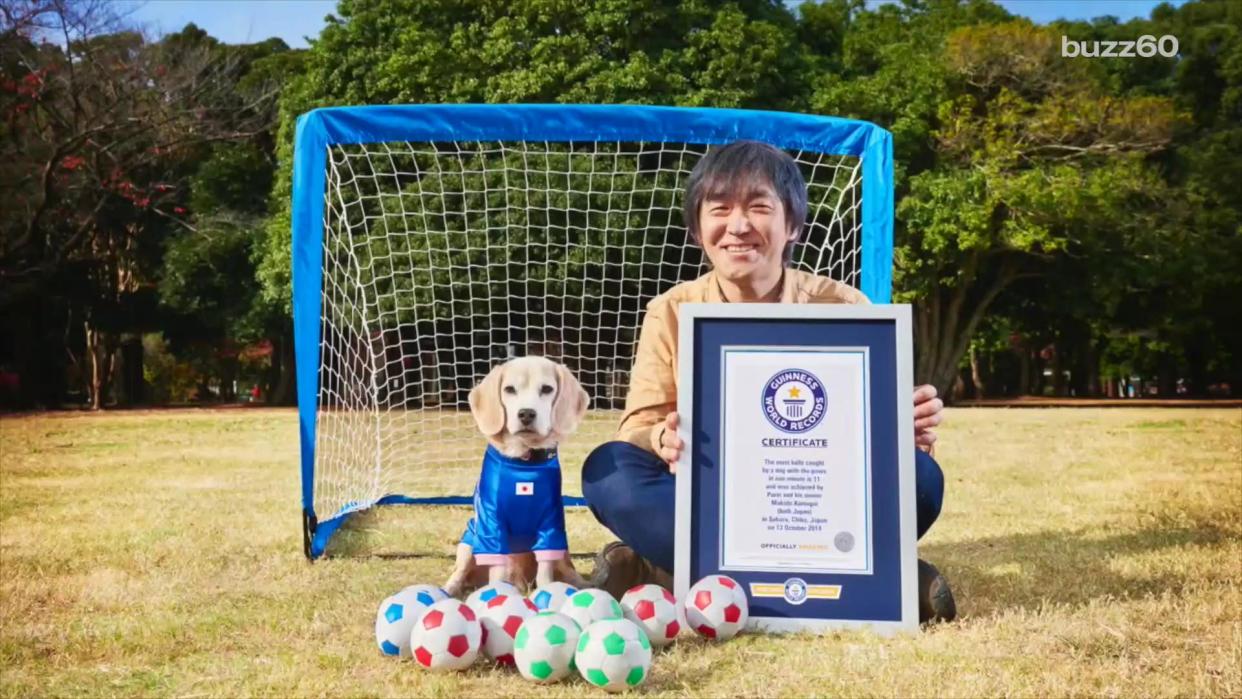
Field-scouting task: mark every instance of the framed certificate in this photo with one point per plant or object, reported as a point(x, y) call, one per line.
point(797, 479)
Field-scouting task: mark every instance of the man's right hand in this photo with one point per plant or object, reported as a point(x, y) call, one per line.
point(669, 444)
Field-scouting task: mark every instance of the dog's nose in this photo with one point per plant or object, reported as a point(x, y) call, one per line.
point(526, 416)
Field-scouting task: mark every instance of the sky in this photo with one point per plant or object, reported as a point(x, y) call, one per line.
point(248, 21)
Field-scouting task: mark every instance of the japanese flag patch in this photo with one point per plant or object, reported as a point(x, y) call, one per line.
point(525, 488)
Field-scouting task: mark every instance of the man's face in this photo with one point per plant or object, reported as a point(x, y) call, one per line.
point(744, 234)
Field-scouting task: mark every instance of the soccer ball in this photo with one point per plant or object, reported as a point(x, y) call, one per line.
point(589, 606)
point(446, 637)
point(397, 614)
point(654, 609)
point(501, 618)
point(483, 595)
point(613, 654)
point(550, 597)
point(544, 648)
point(716, 607)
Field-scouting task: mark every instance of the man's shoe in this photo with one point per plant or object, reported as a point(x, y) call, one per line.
point(935, 598)
point(618, 568)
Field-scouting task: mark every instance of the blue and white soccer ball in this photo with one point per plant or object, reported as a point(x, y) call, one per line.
point(544, 648)
point(397, 614)
point(550, 597)
point(480, 597)
point(614, 654)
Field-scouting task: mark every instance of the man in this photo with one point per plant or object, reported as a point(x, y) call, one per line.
point(745, 205)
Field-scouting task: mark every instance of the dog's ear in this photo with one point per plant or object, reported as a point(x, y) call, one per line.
point(571, 402)
point(485, 405)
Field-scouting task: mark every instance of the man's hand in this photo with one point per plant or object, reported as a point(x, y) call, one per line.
point(668, 443)
point(928, 412)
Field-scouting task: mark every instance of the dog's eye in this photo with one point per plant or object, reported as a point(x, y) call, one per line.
point(511, 390)
point(545, 390)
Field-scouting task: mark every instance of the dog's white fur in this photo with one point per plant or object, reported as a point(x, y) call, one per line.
point(524, 404)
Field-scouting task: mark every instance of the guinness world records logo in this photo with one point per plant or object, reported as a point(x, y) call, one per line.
point(794, 401)
point(795, 591)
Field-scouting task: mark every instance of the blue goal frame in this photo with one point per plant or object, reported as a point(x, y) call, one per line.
point(321, 129)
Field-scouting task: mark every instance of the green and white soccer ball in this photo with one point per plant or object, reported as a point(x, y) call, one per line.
point(544, 648)
point(589, 606)
point(397, 614)
point(614, 654)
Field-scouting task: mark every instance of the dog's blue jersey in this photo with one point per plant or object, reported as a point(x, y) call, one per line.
point(517, 506)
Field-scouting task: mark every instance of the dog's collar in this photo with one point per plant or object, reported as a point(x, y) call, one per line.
point(540, 454)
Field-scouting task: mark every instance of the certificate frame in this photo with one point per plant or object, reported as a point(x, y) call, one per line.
point(791, 597)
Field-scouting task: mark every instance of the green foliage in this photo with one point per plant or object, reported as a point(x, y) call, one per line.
point(1113, 181)
point(635, 51)
point(1090, 205)
point(236, 177)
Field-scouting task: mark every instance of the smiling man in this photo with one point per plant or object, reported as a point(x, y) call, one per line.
point(746, 206)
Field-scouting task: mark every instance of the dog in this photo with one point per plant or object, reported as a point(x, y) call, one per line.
point(524, 408)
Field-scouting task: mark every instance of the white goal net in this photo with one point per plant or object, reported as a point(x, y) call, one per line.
point(441, 259)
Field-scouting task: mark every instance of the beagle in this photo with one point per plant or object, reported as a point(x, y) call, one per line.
point(524, 407)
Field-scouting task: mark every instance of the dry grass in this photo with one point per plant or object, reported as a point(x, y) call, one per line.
point(1093, 552)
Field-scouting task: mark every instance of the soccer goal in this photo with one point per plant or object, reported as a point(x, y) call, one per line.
point(432, 242)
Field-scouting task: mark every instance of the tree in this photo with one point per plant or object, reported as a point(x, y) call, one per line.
point(208, 278)
point(1072, 202)
point(1156, 291)
point(636, 51)
point(100, 129)
point(1014, 160)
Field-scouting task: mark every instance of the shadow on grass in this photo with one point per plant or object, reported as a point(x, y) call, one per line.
point(1028, 571)
point(355, 539)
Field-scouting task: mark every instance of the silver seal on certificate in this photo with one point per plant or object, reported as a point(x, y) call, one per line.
point(844, 542)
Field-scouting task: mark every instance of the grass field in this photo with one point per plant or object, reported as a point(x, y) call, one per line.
point(1092, 552)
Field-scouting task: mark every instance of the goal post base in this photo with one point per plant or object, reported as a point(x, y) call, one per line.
point(315, 534)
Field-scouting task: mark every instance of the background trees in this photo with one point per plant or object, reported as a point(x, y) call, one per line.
point(1062, 224)
point(104, 136)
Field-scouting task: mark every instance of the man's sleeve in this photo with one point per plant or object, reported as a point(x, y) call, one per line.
point(653, 388)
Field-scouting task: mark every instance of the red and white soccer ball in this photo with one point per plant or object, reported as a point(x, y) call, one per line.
point(446, 637)
point(480, 597)
point(501, 618)
point(716, 607)
point(654, 609)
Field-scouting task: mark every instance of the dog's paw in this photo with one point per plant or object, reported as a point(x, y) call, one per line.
point(453, 587)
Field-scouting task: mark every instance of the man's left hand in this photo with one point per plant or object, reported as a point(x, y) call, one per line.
point(928, 412)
